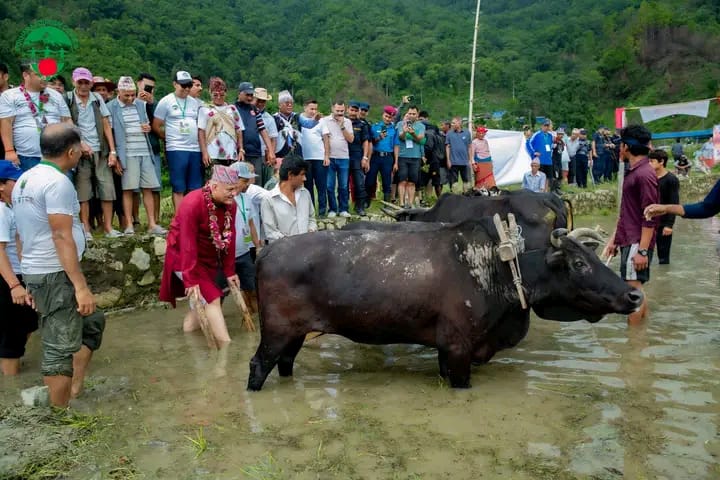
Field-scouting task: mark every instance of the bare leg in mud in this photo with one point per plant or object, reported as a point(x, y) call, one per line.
point(216, 321)
point(81, 360)
point(637, 318)
point(10, 366)
point(58, 389)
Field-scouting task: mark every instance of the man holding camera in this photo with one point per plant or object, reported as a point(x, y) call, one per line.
point(408, 152)
point(383, 139)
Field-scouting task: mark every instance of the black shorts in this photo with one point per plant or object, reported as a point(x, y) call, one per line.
point(408, 169)
point(459, 169)
point(16, 322)
point(430, 174)
point(245, 270)
point(627, 270)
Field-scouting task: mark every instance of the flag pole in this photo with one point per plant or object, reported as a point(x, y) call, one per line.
point(472, 67)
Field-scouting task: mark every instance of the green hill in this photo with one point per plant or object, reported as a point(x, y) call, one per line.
point(573, 61)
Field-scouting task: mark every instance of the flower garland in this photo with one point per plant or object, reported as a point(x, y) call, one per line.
point(220, 240)
point(44, 98)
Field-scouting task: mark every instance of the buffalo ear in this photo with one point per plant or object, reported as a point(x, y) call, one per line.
point(591, 244)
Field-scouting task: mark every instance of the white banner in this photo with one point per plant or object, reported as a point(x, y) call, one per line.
point(696, 109)
point(509, 156)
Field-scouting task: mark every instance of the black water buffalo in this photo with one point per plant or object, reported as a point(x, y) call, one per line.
point(322, 282)
point(537, 213)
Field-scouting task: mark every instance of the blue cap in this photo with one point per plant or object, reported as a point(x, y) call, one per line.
point(364, 106)
point(354, 103)
point(243, 170)
point(9, 171)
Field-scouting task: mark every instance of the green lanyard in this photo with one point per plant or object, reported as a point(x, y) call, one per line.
point(182, 109)
point(242, 200)
point(50, 164)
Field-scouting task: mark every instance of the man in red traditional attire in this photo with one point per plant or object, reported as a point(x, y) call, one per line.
point(200, 257)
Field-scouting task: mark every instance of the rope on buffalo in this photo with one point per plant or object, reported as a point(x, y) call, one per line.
point(242, 306)
point(511, 244)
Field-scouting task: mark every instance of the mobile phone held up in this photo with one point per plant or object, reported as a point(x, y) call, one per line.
point(149, 88)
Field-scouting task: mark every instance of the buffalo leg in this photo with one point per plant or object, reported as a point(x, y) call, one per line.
point(442, 362)
point(287, 357)
point(459, 367)
point(266, 356)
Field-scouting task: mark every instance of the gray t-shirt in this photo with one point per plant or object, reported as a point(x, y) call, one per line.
point(459, 143)
point(86, 119)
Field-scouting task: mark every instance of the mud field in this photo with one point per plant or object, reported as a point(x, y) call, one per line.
point(572, 401)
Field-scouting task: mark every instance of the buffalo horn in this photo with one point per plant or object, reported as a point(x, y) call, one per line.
point(390, 213)
point(580, 233)
point(555, 236)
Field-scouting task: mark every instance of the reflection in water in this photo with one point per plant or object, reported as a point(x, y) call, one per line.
point(592, 401)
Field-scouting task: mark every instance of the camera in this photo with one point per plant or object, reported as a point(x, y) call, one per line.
point(409, 124)
point(149, 88)
point(411, 98)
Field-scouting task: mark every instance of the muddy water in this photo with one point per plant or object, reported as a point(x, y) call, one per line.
point(571, 401)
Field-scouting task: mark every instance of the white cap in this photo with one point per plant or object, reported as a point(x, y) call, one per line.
point(183, 77)
point(126, 83)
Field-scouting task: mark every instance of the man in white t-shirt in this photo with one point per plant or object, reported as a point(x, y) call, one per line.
point(246, 235)
point(220, 128)
point(176, 117)
point(337, 133)
point(313, 149)
point(46, 211)
point(24, 112)
point(19, 319)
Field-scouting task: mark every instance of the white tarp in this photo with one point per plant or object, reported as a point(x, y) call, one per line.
point(696, 109)
point(509, 156)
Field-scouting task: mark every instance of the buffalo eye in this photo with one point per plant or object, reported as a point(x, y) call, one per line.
point(579, 264)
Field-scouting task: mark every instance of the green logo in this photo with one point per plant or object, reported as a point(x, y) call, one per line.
point(47, 46)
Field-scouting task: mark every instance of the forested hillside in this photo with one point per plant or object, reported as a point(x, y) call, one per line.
point(571, 60)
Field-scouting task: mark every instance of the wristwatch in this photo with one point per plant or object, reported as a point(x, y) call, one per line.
point(643, 252)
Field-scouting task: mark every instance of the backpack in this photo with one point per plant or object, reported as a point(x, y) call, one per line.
point(434, 145)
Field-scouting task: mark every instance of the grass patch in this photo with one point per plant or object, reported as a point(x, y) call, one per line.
point(266, 469)
point(540, 468)
point(199, 443)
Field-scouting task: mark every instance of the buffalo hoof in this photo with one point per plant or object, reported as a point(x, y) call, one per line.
point(253, 386)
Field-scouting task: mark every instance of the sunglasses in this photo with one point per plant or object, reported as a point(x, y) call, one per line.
point(186, 86)
point(363, 109)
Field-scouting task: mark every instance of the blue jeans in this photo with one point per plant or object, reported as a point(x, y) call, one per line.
point(339, 167)
point(26, 163)
point(383, 163)
point(316, 177)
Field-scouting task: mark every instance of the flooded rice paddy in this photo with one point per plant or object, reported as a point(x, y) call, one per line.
point(581, 401)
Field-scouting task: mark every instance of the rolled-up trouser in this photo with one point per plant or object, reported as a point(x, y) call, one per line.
point(62, 328)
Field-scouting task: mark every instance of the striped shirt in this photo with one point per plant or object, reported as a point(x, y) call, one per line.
point(135, 138)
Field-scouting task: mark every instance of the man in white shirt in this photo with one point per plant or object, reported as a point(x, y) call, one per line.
point(246, 236)
point(46, 211)
point(176, 122)
point(289, 210)
point(337, 134)
point(313, 152)
point(24, 112)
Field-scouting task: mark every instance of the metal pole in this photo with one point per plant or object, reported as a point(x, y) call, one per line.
point(472, 68)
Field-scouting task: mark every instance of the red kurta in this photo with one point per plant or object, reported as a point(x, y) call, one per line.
point(190, 250)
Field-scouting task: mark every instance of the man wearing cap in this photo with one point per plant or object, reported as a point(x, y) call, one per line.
point(255, 133)
point(46, 211)
point(18, 317)
point(260, 100)
point(383, 135)
point(24, 112)
point(94, 178)
point(220, 127)
point(540, 146)
point(246, 234)
point(131, 127)
point(601, 146)
point(458, 152)
point(534, 180)
point(200, 257)
point(103, 87)
point(175, 121)
point(287, 210)
point(359, 150)
point(635, 234)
